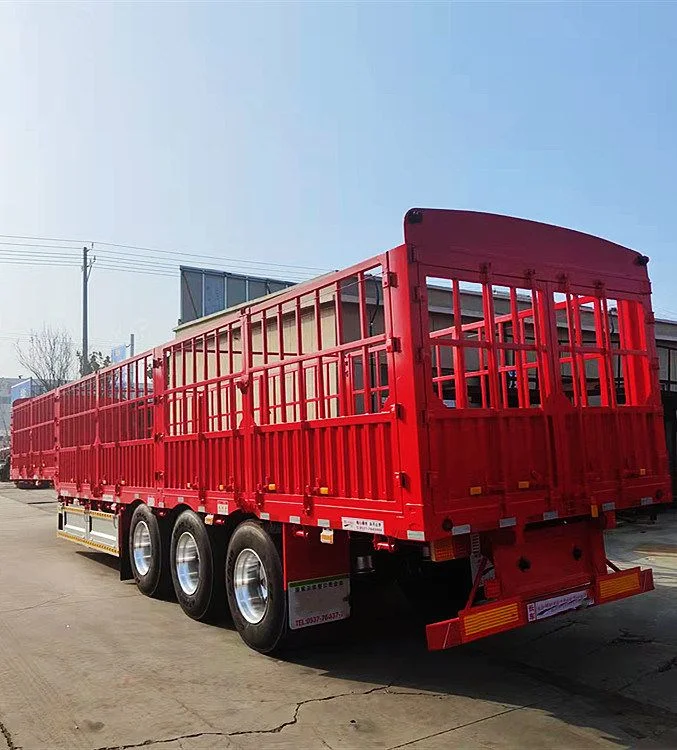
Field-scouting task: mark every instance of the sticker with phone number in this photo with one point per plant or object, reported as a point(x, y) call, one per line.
point(317, 601)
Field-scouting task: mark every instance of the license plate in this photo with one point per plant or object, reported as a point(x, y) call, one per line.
point(555, 605)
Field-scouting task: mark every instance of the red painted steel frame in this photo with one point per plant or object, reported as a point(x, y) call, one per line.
point(330, 417)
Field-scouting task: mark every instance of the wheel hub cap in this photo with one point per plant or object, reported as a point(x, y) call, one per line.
point(251, 586)
point(187, 563)
point(143, 549)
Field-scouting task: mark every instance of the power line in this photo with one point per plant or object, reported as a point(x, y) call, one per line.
point(144, 271)
point(32, 244)
point(164, 270)
point(39, 262)
point(139, 265)
point(131, 261)
point(36, 254)
point(222, 259)
point(179, 253)
point(61, 263)
point(160, 262)
point(60, 257)
point(41, 239)
point(243, 266)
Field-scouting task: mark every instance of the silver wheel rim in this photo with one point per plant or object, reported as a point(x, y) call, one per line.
point(143, 548)
point(251, 586)
point(187, 563)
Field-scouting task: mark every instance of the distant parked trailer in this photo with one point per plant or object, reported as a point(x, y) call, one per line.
point(33, 441)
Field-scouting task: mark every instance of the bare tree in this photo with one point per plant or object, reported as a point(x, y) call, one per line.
point(49, 356)
point(97, 360)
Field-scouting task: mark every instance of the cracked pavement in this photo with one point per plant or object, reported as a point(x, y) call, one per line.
point(87, 662)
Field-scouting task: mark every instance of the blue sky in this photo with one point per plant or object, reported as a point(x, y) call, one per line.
point(301, 133)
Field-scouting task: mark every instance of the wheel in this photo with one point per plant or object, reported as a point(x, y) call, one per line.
point(148, 552)
point(197, 567)
point(254, 584)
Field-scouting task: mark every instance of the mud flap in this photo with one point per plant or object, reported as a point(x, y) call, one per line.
point(316, 576)
point(123, 543)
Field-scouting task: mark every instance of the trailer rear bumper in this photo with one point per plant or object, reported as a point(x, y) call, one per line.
point(506, 614)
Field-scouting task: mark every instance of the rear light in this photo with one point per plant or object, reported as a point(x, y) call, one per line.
point(450, 548)
point(492, 589)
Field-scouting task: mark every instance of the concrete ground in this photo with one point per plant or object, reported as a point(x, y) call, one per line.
point(88, 662)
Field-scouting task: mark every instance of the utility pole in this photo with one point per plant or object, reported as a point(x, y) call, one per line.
point(131, 344)
point(86, 271)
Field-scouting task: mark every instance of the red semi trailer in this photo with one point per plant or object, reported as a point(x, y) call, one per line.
point(33, 442)
point(466, 413)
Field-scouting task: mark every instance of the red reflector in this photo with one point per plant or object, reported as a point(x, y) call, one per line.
point(492, 589)
point(450, 548)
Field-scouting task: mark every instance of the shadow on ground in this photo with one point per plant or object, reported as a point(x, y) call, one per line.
point(579, 668)
point(611, 669)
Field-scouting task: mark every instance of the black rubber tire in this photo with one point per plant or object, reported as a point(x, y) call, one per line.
point(270, 633)
point(155, 582)
point(208, 601)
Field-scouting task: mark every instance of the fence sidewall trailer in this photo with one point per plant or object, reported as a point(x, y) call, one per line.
point(465, 413)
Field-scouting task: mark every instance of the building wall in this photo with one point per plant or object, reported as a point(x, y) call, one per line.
point(5, 406)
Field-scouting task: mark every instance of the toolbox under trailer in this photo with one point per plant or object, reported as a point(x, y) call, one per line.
point(465, 413)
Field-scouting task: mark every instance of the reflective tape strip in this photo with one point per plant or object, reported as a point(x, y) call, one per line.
point(621, 584)
point(86, 543)
point(99, 514)
point(550, 515)
point(416, 536)
point(465, 529)
point(504, 523)
point(609, 506)
point(324, 522)
point(492, 618)
point(264, 516)
point(294, 519)
point(646, 501)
